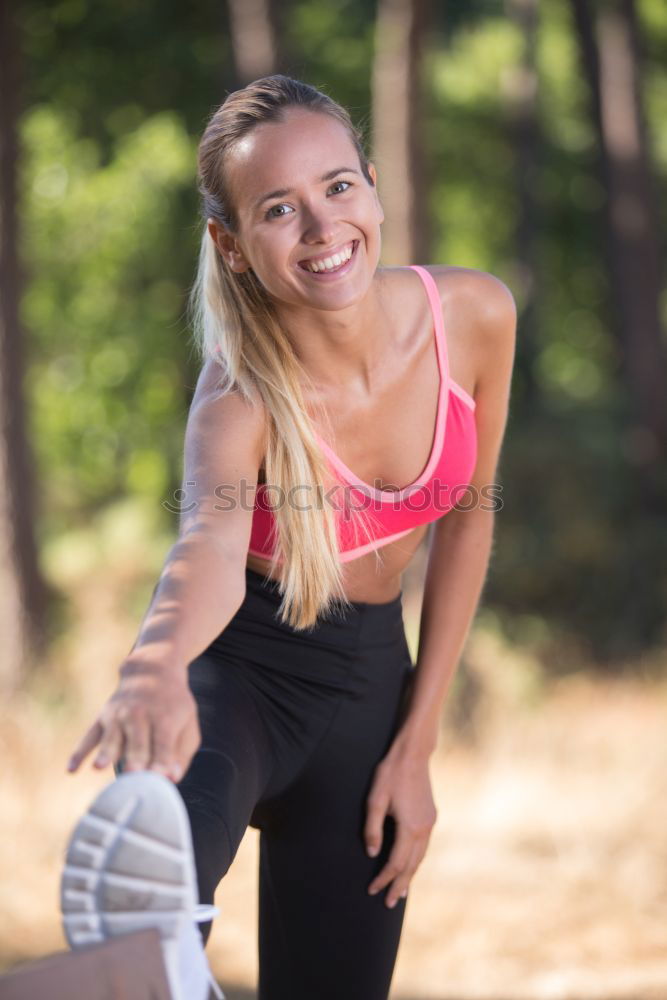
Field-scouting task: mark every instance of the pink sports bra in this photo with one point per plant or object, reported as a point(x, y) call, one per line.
point(395, 513)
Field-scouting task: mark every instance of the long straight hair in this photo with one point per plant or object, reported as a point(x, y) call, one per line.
point(235, 324)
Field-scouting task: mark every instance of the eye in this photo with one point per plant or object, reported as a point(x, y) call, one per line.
point(280, 215)
point(269, 214)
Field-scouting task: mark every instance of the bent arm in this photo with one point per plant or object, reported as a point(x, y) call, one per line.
point(462, 540)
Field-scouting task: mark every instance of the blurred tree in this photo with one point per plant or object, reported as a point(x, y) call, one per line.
point(519, 93)
point(22, 608)
point(611, 54)
point(611, 57)
point(398, 96)
point(111, 64)
point(256, 38)
point(106, 244)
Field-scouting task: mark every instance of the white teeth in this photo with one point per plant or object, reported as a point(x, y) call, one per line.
point(329, 263)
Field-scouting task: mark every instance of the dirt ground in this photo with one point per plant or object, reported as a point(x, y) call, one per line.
point(546, 875)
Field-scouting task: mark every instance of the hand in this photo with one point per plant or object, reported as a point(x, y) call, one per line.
point(401, 788)
point(151, 721)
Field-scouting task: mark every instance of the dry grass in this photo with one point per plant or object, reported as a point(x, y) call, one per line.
point(546, 875)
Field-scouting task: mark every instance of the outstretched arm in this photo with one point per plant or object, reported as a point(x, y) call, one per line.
point(151, 719)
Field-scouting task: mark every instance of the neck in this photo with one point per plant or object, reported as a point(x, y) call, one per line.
point(346, 347)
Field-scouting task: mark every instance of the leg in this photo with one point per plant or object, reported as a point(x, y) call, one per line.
point(227, 774)
point(320, 933)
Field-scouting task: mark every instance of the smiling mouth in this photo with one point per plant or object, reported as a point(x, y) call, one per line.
point(331, 267)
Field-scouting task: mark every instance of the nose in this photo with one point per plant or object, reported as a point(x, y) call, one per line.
point(319, 227)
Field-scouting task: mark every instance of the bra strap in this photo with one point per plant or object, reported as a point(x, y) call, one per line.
point(433, 293)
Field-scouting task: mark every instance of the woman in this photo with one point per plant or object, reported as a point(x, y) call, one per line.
point(271, 679)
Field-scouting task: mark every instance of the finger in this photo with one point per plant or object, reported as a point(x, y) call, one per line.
point(396, 862)
point(88, 743)
point(164, 758)
point(137, 742)
point(376, 810)
point(400, 885)
point(111, 747)
point(188, 743)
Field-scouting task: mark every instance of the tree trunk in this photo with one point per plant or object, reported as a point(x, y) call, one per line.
point(254, 27)
point(611, 56)
point(398, 133)
point(519, 93)
point(22, 590)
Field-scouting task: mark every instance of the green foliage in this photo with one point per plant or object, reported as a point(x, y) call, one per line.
point(104, 308)
point(573, 530)
point(333, 45)
point(116, 96)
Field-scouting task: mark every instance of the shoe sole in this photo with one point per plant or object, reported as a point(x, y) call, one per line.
point(129, 863)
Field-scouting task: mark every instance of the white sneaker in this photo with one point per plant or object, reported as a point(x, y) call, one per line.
point(129, 866)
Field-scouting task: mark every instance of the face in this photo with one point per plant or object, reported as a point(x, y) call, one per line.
point(319, 211)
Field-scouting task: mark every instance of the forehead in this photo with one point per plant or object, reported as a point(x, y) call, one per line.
point(284, 154)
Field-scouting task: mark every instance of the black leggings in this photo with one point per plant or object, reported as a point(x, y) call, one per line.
point(293, 726)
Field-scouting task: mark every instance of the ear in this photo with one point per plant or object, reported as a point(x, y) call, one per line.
point(228, 246)
point(373, 172)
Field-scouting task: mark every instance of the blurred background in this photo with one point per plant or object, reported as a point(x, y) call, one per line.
point(521, 138)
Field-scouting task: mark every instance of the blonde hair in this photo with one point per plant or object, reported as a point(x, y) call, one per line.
point(235, 324)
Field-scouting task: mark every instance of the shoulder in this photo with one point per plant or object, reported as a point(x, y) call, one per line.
point(484, 296)
point(215, 407)
point(210, 388)
point(484, 307)
point(479, 299)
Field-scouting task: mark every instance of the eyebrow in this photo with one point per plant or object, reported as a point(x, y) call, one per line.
point(282, 192)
